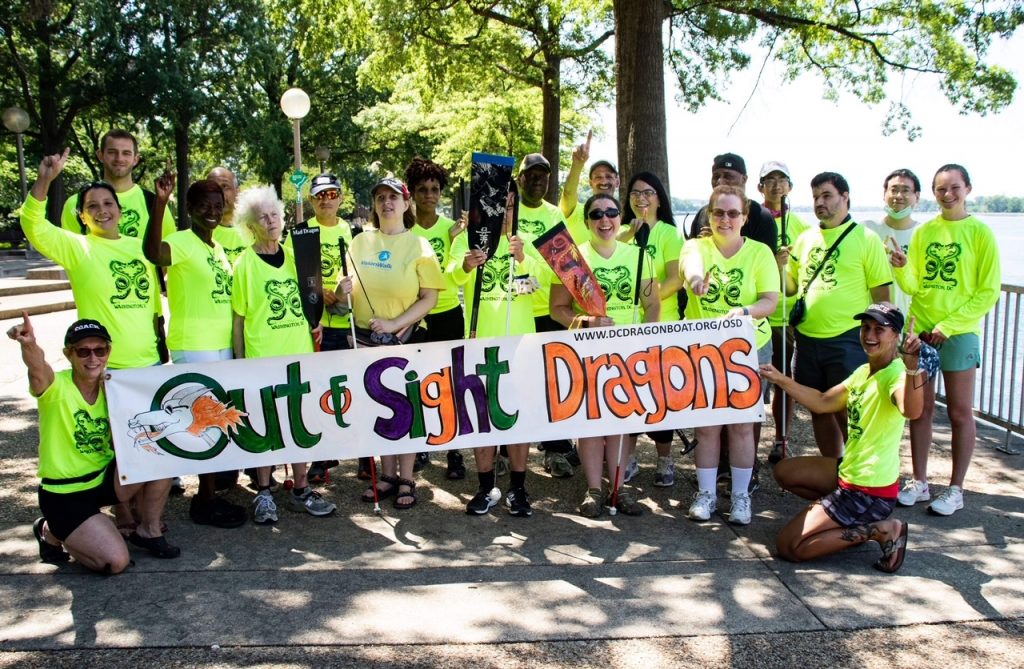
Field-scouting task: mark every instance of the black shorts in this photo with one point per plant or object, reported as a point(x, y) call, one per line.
point(661, 436)
point(335, 339)
point(824, 363)
point(64, 512)
point(446, 326)
point(855, 507)
point(547, 324)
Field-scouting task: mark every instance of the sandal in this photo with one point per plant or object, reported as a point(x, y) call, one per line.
point(382, 493)
point(49, 553)
point(411, 485)
point(897, 547)
point(592, 504)
point(157, 546)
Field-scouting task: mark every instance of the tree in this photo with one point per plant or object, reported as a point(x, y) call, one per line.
point(853, 46)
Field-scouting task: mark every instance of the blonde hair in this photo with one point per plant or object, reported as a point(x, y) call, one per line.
point(250, 203)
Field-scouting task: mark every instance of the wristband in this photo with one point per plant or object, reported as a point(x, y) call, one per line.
point(746, 311)
point(914, 372)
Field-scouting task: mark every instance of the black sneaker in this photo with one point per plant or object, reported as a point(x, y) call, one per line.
point(483, 501)
point(48, 552)
point(518, 503)
point(778, 453)
point(456, 466)
point(755, 480)
point(217, 512)
point(422, 460)
point(573, 457)
point(177, 487)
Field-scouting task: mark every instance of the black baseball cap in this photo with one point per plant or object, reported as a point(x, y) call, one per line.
point(884, 313)
point(603, 163)
point(729, 161)
point(83, 329)
point(534, 160)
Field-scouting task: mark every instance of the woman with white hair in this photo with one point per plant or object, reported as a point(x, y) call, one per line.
point(266, 290)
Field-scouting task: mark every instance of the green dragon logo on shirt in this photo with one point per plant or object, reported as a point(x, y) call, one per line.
point(854, 406)
point(438, 246)
point(92, 435)
point(941, 262)
point(496, 272)
point(532, 228)
point(283, 297)
point(129, 277)
point(330, 260)
point(828, 273)
point(725, 286)
point(221, 279)
point(129, 223)
point(615, 282)
point(233, 253)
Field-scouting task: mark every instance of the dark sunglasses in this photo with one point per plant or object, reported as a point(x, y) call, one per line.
point(84, 352)
point(330, 194)
point(598, 214)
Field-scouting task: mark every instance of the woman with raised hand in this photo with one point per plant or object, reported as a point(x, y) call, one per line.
point(614, 264)
point(856, 495)
point(394, 284)
point(728, 275)
point(951, 273)
point(268, 321)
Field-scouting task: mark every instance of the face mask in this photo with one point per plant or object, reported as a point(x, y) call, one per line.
point(898, 215)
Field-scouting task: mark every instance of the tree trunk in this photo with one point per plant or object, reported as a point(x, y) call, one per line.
point(181, 148)
point(640, 88)
point(551, 90)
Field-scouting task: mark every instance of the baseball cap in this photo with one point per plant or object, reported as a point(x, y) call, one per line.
point(775, 166)
point(730, 161)
point(83, 329)
point(322, 182)
point(884, 313)
point(394, 184)
point(603, 163)
point(534, 160)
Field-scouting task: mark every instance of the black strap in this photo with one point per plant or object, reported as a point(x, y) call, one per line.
point(828, 254)
point(74, 479)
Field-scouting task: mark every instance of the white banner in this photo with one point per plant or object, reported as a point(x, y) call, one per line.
point(197, 418)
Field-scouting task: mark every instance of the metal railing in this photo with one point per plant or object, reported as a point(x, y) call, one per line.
point(998, 393)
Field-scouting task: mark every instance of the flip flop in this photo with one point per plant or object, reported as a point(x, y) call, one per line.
point(899, 547)
point(157, 546)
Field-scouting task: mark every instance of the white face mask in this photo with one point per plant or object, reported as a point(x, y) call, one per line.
point(898, 215)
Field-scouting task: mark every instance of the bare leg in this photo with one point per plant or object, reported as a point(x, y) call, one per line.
point(263, 476)
point(921, 434)
point(813, 534)
point(389, 465)
point(591, 450)
point(518, 456)
point(709, 446)
point(664, 449)
point(299, 470)
point(613, 445)
point(742, 444)
point(484, 458)
point(150, 499)
point(810, 477)
point(960, 398)
point(98, 545)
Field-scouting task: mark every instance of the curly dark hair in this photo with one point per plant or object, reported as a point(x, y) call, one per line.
point(421, 169)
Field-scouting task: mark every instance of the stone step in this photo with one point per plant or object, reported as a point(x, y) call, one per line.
point(51, 273)
point(11, 287)
point(36, 303)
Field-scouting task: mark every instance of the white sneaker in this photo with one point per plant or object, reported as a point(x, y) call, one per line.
point(703, 506)
point(632, 469)
point(739, 513)
point(665, 477)
point(264, 510)
point(950, 501)
point(913, 491)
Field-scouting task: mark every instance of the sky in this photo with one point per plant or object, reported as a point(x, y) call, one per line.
point(793, 123)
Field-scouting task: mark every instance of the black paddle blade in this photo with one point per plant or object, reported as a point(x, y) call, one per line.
point(306, 243)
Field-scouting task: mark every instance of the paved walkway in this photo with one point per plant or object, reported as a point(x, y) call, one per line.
point(434, 587)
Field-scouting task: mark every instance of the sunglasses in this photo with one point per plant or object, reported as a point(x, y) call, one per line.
point(84, 352)
point(330, 194)
point(598, 214)
point(722, 213)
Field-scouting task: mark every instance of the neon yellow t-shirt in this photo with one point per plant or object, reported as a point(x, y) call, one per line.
point(111, 280)
point(268, 298)
point(391, 269)
point(440, 242)
point(234, 240)
point(735, 282)
point(664, 246)
point(494, 304)
point(134, 214)
point(577, 225)
point(199, 294)
point(794, 228)
point(617, 278)
point(952, 275)
point(843, 287)
point(74, 436)
point(330, 264)
point(872, 455)
point(534, 222)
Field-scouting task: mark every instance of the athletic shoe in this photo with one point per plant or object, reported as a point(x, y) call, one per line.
point(177, 487)
point(665, 477)
point(456, 466)
point(422, 460)
point(573, 457)
point(363, 472)
point(950, 501)
point(500, 465)
point(755, 479)
point(312, 503)
point(778, 453)
point(632, 469)
point(518, 503)
point(264, 511)
point(48, 552)
point(739, 512)
point(557, 465)
point(626, 502)
point(217, 512)
point(483, 501)
point(592, 504)
point(703, 506)
point(913, 491)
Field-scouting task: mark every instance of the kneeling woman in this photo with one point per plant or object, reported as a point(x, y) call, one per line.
point(615, 265)
point(856, 495)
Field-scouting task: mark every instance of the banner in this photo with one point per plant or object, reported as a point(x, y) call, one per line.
point(196, 418)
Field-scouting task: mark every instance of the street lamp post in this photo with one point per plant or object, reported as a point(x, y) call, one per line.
point(323, 154)
point(16, 120)
point(295, 105)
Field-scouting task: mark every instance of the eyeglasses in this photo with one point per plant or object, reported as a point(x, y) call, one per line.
point(722, 213)
point(329, 194)
point(598, 214)
point(645, 194)
point(772, 182)
point(84, 352)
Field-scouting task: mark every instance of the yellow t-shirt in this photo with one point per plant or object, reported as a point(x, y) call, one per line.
point(234, 240)
point(199, 294)
point(134, 214)
point(534, 222)
point(663, 246)
point(494, 305)
point(735, 282)
point(441, 243)
point(269, 300)
point(74, 437)
point(389, 271)
point(872, 455)
point(843, 287)
point(617, 277)
point(331, 237)
point(111, 280)
point(577, 225)
point(794, 228)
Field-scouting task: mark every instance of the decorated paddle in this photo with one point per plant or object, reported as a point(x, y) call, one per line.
point(488, 194)
point(306, 244)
